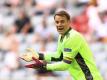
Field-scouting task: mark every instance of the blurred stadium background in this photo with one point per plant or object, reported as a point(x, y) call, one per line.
point(30, 23)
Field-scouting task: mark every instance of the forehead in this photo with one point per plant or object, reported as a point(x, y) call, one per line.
point(60, 17)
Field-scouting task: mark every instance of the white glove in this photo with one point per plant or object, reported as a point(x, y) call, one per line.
point(29, 54)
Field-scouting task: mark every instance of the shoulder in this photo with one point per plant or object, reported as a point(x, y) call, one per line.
point(75, 35)
point(74, 40)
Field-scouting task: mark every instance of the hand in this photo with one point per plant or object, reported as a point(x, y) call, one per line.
point(29, 54)
point(26, 57)
point(33, 52)
point(37, 64)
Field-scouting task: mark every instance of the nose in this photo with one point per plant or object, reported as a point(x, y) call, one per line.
point(59, 24)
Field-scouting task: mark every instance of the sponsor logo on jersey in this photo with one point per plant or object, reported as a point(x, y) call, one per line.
point(67, 49)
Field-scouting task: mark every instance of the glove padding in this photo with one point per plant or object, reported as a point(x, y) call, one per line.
point(29, 54)
point(37, 64)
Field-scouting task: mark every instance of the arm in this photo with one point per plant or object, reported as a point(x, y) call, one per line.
point(70, 50)
point(52, 56)
point(58, 66)
point(69, 53)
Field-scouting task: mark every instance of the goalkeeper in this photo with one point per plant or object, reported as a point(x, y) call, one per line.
point(73, 53)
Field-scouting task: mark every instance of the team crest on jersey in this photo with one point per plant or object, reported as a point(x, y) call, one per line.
point(67, 49)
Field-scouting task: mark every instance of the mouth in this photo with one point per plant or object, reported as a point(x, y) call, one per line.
point(61, 28)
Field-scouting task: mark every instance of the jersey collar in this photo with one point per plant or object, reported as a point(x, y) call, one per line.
point(62, 37)
point(67, 31)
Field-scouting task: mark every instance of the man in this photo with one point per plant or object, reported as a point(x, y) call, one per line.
point(73, 53)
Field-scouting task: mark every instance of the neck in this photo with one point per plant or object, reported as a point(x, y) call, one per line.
point(67, 30)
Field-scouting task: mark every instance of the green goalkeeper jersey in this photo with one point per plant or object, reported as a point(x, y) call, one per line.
point(73, 54)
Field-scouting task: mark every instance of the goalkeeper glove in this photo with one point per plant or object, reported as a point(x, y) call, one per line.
point(37, 64)
point(29, 54)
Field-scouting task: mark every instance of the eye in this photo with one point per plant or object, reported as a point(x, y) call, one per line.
point(56, 22)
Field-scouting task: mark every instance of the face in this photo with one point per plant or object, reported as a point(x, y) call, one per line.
point(62, 24)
